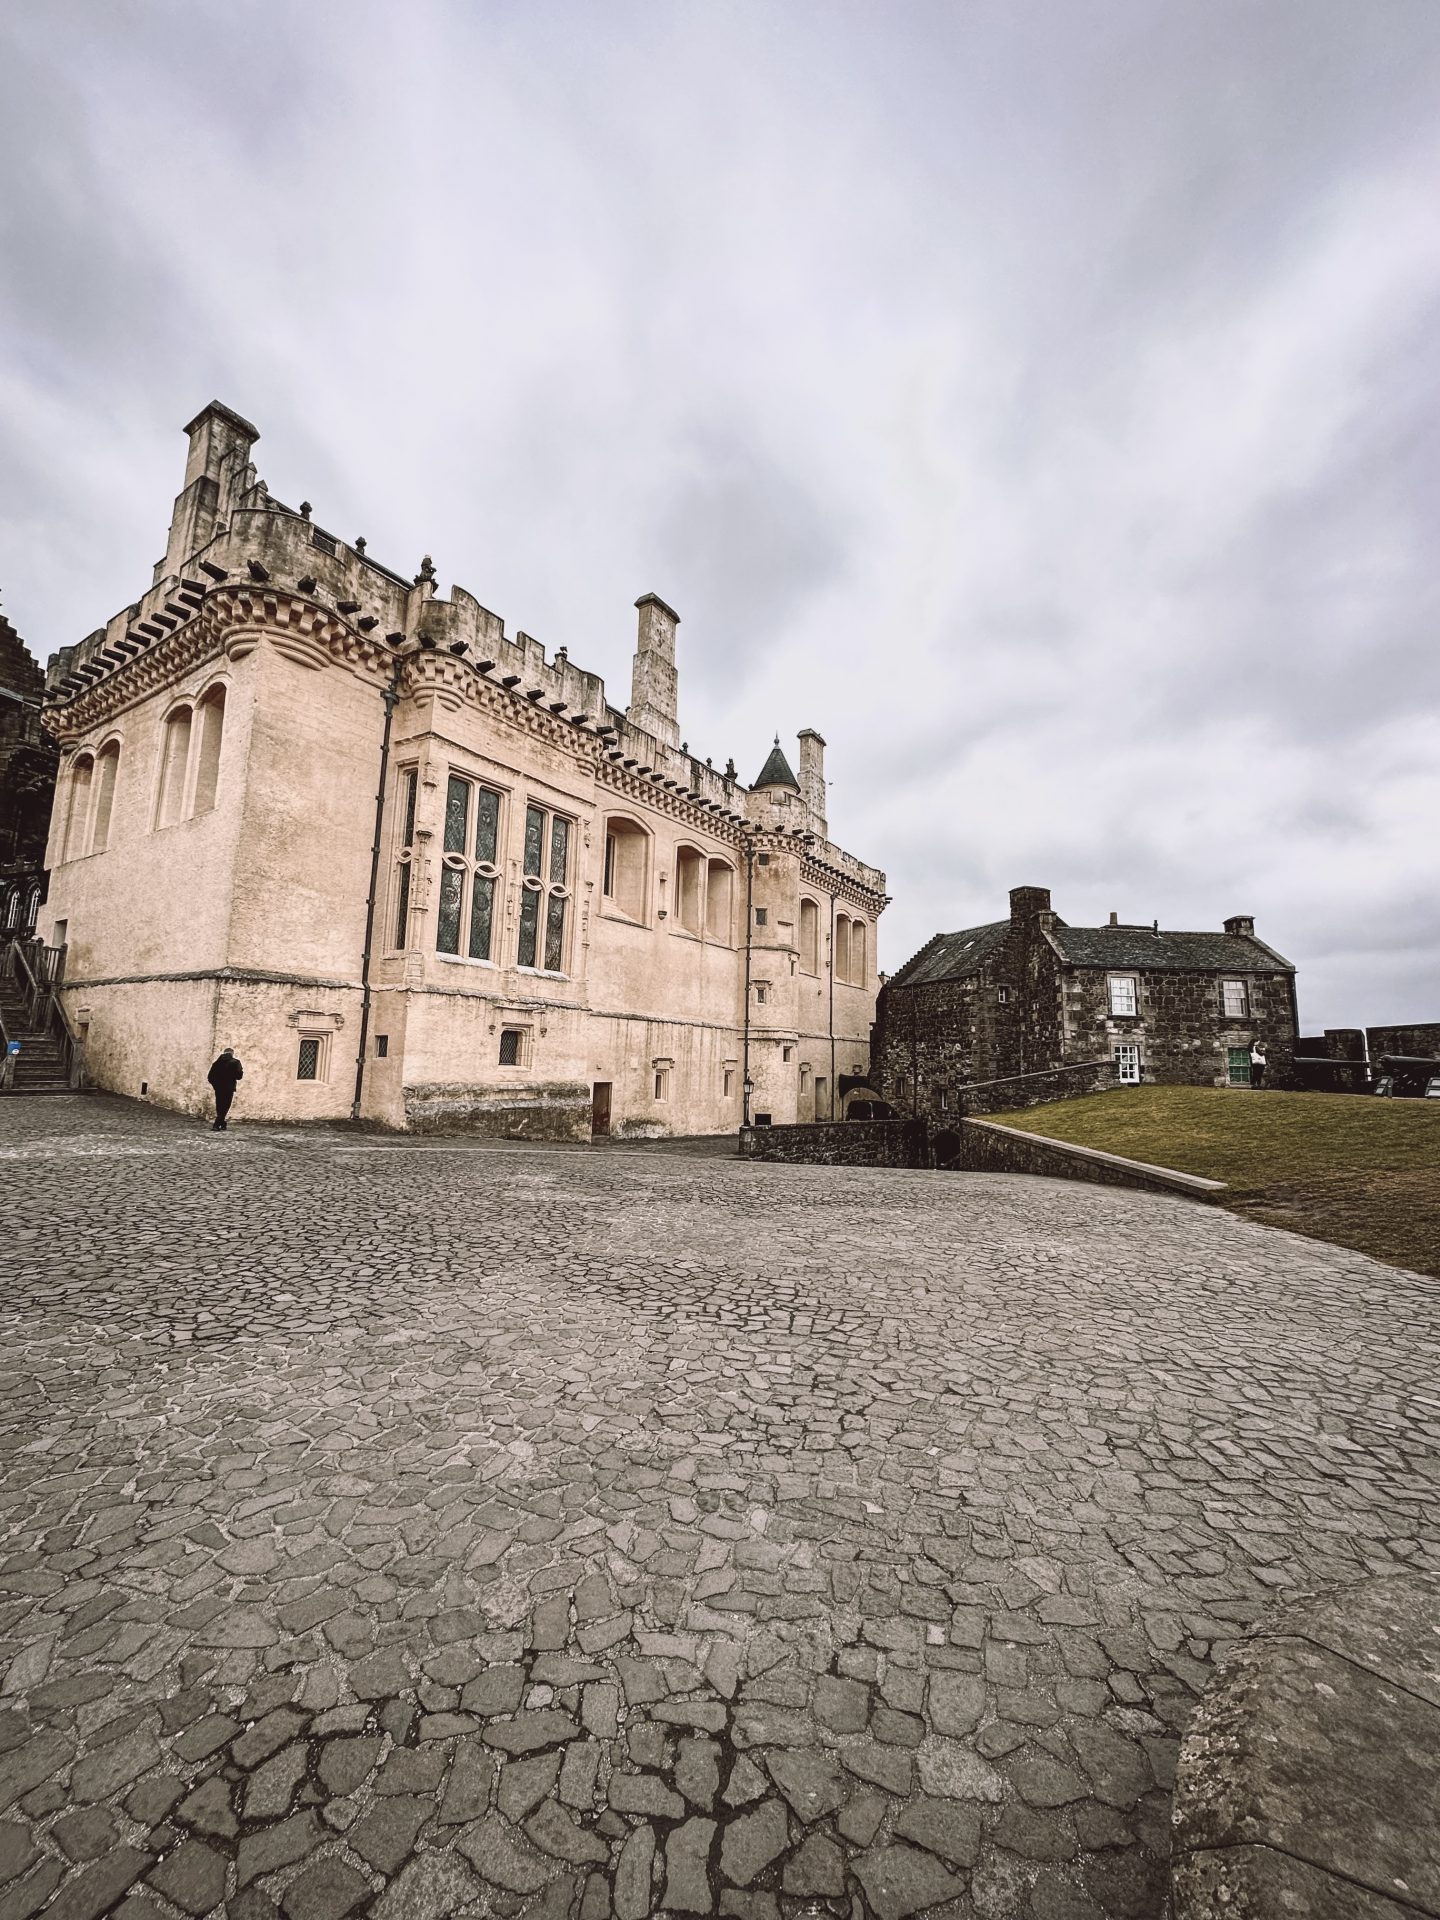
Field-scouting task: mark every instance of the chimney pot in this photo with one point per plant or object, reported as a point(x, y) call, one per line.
point(1114, 918)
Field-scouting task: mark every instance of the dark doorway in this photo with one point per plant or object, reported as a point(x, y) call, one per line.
point(600, 1110)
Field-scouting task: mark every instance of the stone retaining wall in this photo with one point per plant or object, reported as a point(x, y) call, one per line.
point(1038, 1089)
point(841, 1143)
point(986, 1148)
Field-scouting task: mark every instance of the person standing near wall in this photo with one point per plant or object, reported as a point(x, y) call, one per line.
point(224, 1076)
point(1257, 1065)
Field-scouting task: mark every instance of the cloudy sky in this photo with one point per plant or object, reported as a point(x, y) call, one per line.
point(1037, 396)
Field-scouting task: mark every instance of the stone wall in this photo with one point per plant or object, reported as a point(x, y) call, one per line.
point(559, 1111)
point(1421, 1040)
point(1038, 1089)
point(844, 1143)
point(986, 1148)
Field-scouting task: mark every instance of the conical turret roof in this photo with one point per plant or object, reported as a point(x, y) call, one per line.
point(776, 770)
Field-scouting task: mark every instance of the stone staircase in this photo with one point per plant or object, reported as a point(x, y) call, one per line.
point(40, 1067)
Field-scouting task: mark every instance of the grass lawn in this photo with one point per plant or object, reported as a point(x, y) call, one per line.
point(1360, 1172)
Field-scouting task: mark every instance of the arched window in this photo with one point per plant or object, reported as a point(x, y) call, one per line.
point(211, 716)
point(859, 975)
point(690, 889)
point(841, 956)
point(78, 812)
point(720, 901)
point(809, 937)
point(174, 759)
point(106, 767)
point(627, 847)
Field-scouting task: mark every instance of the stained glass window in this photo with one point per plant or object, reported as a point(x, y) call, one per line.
point(534, 840)
point(487, 825)
point(402, 904)
point(559, 850)
point(529, 925)
point(555, 933)
point(482, 908)
point(452, 885)
point(457, 809)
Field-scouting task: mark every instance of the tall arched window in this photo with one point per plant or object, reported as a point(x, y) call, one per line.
point(78, 812)
point(720, 901)
point(809, 937)
point(841, 956)
point(211, 716)
point(106, 767)
point(626, 850)
point(690, 889)
point(174, 759)
point(859, 973)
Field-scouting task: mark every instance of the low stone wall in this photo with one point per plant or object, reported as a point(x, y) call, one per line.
point(1038, 1089)
point(840, 1143)
point(982, 1147)
point(1309, 1778)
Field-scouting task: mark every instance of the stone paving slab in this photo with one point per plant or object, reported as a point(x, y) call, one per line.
point(428, 1530)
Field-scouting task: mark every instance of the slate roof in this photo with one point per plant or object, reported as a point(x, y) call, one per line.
point(776, 771)
point(952, 956)
point(1140, 948)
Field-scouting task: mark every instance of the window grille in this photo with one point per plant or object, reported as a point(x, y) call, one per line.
point(762, 916)
point(511, 1039)
point(308, 1067)
point(382, 1046)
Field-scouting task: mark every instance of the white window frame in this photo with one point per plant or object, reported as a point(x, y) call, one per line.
point(1241, 992)
point(1127, 1053)
point(1115, 982)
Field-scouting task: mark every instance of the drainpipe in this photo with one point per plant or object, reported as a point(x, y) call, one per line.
point(749, 936)
point(390, 696)
point(834, 1087)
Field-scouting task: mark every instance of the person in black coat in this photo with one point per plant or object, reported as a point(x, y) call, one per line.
point(223, 1077)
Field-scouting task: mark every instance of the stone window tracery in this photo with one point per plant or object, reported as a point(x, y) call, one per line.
point(465, 912)
point(545, 890)
point(409, 787)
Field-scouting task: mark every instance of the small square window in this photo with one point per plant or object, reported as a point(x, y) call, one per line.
point(382, 1046)
point(785, 1053)
point(511, 1039)
point(762, 994)
point(764, 859)
point(309, 1063)
point(1002, 994)
point(762, 916)
point(944, 1099)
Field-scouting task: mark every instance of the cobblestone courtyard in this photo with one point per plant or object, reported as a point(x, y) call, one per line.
point(425, 1529)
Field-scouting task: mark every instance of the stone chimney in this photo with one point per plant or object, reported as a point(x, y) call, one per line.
point(654, 685)
point(1027, 902)
point(220, 443)
point(1241, 926)
point(812, 778)
point(1114, 918)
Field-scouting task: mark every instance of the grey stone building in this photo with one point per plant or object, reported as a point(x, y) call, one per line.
point(1032, 995)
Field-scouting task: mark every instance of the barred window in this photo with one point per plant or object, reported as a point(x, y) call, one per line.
point(512, 1046)
point(309, 1063)
point(545, 890)
point(465, 919)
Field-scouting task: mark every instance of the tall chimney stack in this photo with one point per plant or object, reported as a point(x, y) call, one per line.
point(812, 778)
point(220, 443)
point(654, 684)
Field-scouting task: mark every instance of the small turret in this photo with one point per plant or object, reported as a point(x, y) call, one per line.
point(776, 771)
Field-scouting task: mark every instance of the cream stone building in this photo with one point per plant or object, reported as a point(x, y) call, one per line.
point(414, 870)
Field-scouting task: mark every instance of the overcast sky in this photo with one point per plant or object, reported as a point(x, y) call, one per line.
point(1038, 397)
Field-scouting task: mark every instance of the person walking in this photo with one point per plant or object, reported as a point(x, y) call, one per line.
point(1257, 1065)
point(224, 1076)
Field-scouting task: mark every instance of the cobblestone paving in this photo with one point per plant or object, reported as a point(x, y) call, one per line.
point(427, 1530)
